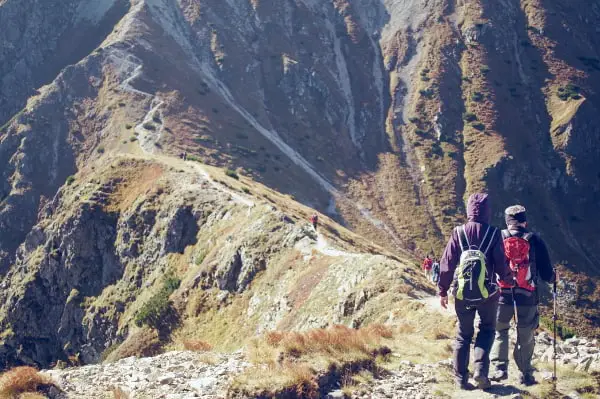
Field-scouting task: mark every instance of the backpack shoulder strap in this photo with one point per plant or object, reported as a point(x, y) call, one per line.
point(462, 238)
point(527, 236)
point(506, 234)
point(490, 240)
point(485, 236)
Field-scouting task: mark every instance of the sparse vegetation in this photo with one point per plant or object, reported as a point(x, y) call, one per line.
point(100, 150)
point(133, 138)
point(562, 330)
point(154, 312)
point(22, 380)
point(478, 126)
point(427, 93)
point(149, 126)
point(477, 97)
point(70, 180)
point(119, 393)
point(142, 343)
point(232, 173)
point(197, 345)
point(246, 190)
point(128, 126)
point(570, 91)
point(414, 120)
point(469, 117)
point(290, 362)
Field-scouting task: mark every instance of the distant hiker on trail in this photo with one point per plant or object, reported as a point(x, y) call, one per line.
point(185, 155)
point(529, 259)
point(427, 264)
point(435, 272)
point(470, 263)
point(314, 219)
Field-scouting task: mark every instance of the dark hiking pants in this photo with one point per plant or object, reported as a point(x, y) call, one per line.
point(527, 324)
point(483, 343)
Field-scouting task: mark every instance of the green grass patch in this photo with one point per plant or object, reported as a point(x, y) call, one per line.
point(70, 180)
point(563, 331)
point(154, 312)
point(232, 173)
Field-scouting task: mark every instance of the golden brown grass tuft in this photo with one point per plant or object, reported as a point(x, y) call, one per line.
point(142, 343)
point(119, 393)
point(289, 362)
point(22, 380)
point(197, 345)
point(32, 395)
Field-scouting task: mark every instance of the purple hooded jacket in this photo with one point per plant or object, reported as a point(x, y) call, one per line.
point(479, 216)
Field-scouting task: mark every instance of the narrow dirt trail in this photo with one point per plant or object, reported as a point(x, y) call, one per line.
point(323, 247)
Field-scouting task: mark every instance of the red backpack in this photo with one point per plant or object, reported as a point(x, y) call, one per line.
point(517, 249)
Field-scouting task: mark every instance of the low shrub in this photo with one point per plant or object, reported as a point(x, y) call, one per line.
point(149, 126)
point(469, 117)
point(569, 91)
point(477, 97)
point(232, 173)
point(157, 309)
point(70, 180)
point(478, 126)
point(100, 150)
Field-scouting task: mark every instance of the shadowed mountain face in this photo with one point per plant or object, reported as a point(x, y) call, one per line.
point(384, 114)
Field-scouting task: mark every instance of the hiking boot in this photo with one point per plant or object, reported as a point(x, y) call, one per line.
point(483, 383)
point(464, 385)
point(499, 375)
point(527, 379)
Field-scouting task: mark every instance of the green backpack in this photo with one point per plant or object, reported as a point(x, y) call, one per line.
point(473, 284)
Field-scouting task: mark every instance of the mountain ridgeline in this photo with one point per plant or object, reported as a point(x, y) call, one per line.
point(382, 114)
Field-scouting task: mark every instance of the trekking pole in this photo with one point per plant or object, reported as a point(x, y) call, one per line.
point(554, 318)
point(515, 308)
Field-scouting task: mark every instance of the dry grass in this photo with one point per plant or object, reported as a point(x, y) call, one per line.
point(32, 395)
point(197, 345)
point(22, 380)
point(142, 343)
point(290, 362)
point(119, 393)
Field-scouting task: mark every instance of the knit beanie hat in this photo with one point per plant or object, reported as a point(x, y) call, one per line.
point(515, 214)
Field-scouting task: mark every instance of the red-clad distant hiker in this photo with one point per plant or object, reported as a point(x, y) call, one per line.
point(469, 266)
point(314, 219)
point(427, 265)
point(530, 262)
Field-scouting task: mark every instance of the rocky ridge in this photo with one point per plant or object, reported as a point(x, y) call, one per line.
point(186, 375)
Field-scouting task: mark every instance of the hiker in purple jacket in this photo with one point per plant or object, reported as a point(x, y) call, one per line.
point(475, 230)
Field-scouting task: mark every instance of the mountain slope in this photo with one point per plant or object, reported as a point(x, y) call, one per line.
point(384, 114)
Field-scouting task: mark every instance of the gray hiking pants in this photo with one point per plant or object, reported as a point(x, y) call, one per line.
point(483, 343)
point(528, 322)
